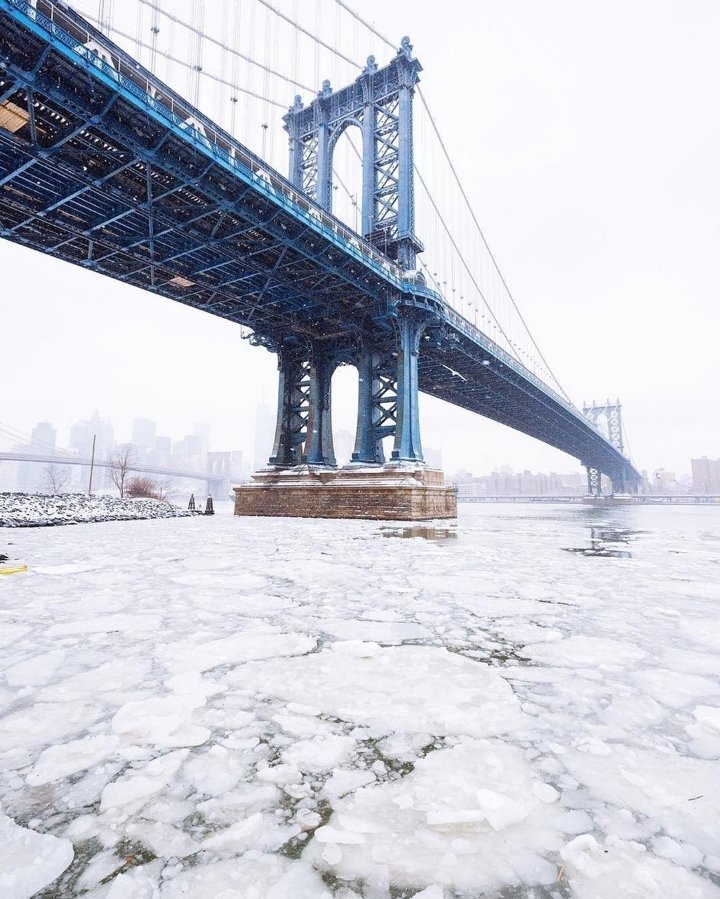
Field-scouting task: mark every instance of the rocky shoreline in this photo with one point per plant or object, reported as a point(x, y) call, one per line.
point(27, 510)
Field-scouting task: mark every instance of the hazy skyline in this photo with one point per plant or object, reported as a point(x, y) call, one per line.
point(586, 140)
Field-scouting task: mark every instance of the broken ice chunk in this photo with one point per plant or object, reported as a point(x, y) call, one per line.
point(29, 861)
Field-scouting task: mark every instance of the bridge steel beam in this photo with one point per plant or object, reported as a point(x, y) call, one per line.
point(350, 270)
point(410, 326)
point(594, 477)
point(319, 448)
point(377, 401)
point(293, 406)
point(379, 103)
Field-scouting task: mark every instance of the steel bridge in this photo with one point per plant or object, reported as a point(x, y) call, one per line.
point(104, 166)
point(214, 482)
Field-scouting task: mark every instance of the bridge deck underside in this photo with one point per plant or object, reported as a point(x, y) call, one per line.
point(464, 374)
point(95, 176)
point(90, 178)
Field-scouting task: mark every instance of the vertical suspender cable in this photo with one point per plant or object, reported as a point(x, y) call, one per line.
point(250, 121)
point(221, 93)
point(155, 29)
point(235, 75)
point(316, 79)
point(139, 15)
point(265, 124)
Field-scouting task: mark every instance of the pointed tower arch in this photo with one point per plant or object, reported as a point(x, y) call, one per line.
point(379, 102)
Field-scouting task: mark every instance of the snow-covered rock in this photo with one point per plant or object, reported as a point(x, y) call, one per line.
point(23, 510)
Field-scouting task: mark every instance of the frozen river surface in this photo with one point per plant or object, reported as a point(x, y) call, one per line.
point(221, 708)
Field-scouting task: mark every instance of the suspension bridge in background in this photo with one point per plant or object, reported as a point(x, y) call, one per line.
point(217, 484)
point(105, 166)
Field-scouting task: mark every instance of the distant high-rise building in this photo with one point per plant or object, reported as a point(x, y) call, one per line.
point(80, 437)
point(202, 431)
point(189, 450)
point(705, 475)
point(144, 432)
point(43, 436)
point(81, 440)
point(664, 482)
point(29, 476)
point(82, 433)
point(163, 445)
point(506, 483)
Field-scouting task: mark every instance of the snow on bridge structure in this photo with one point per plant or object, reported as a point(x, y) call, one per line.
point(104, 166)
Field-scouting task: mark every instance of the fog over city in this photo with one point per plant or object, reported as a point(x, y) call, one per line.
point(586, 139)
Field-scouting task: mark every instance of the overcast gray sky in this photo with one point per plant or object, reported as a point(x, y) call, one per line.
point(588, 138)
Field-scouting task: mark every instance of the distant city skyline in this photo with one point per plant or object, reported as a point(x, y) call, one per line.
point(187, 453)
point(193, 451)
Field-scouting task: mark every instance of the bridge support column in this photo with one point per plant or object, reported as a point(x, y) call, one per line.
point(377, 404)
point(408, 448)
point(594, 481)
point(388, 403)
point(319, 445)
point(293, 408)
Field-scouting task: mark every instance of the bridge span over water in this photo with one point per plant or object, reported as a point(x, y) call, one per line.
point(105, 167)
point(215, 483)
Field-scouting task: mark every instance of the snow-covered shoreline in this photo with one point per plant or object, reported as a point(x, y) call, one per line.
point(28, 510)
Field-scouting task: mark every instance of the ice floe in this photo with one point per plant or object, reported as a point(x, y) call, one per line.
point(272, 709)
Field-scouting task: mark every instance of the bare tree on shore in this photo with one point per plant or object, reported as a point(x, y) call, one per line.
point(163, 489)
point(121, 461)
point(56, 478)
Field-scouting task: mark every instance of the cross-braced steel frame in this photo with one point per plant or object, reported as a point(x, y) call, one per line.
point(379, 103)
point(612, 414)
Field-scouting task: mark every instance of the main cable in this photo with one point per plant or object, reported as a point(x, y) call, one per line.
point(304, 31)
point(463, 193)
point(182, 62)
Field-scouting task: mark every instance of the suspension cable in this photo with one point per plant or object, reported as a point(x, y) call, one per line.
point(482, 236)
point(463, 193)
point(304, 31)
point(187, 65)
point(152, 4)
point(11, 433)
point(370, 27)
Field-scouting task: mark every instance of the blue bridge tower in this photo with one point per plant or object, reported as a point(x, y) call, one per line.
point(379, 103)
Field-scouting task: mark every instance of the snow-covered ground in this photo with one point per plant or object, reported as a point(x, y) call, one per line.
point(294, 709)
point(39, 510)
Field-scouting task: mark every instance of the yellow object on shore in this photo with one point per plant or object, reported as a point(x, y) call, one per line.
point(13, 569)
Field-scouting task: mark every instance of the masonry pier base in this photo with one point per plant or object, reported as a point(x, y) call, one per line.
point(387, 493)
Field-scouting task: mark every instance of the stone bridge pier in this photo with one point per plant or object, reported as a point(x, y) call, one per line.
point(302, 478)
